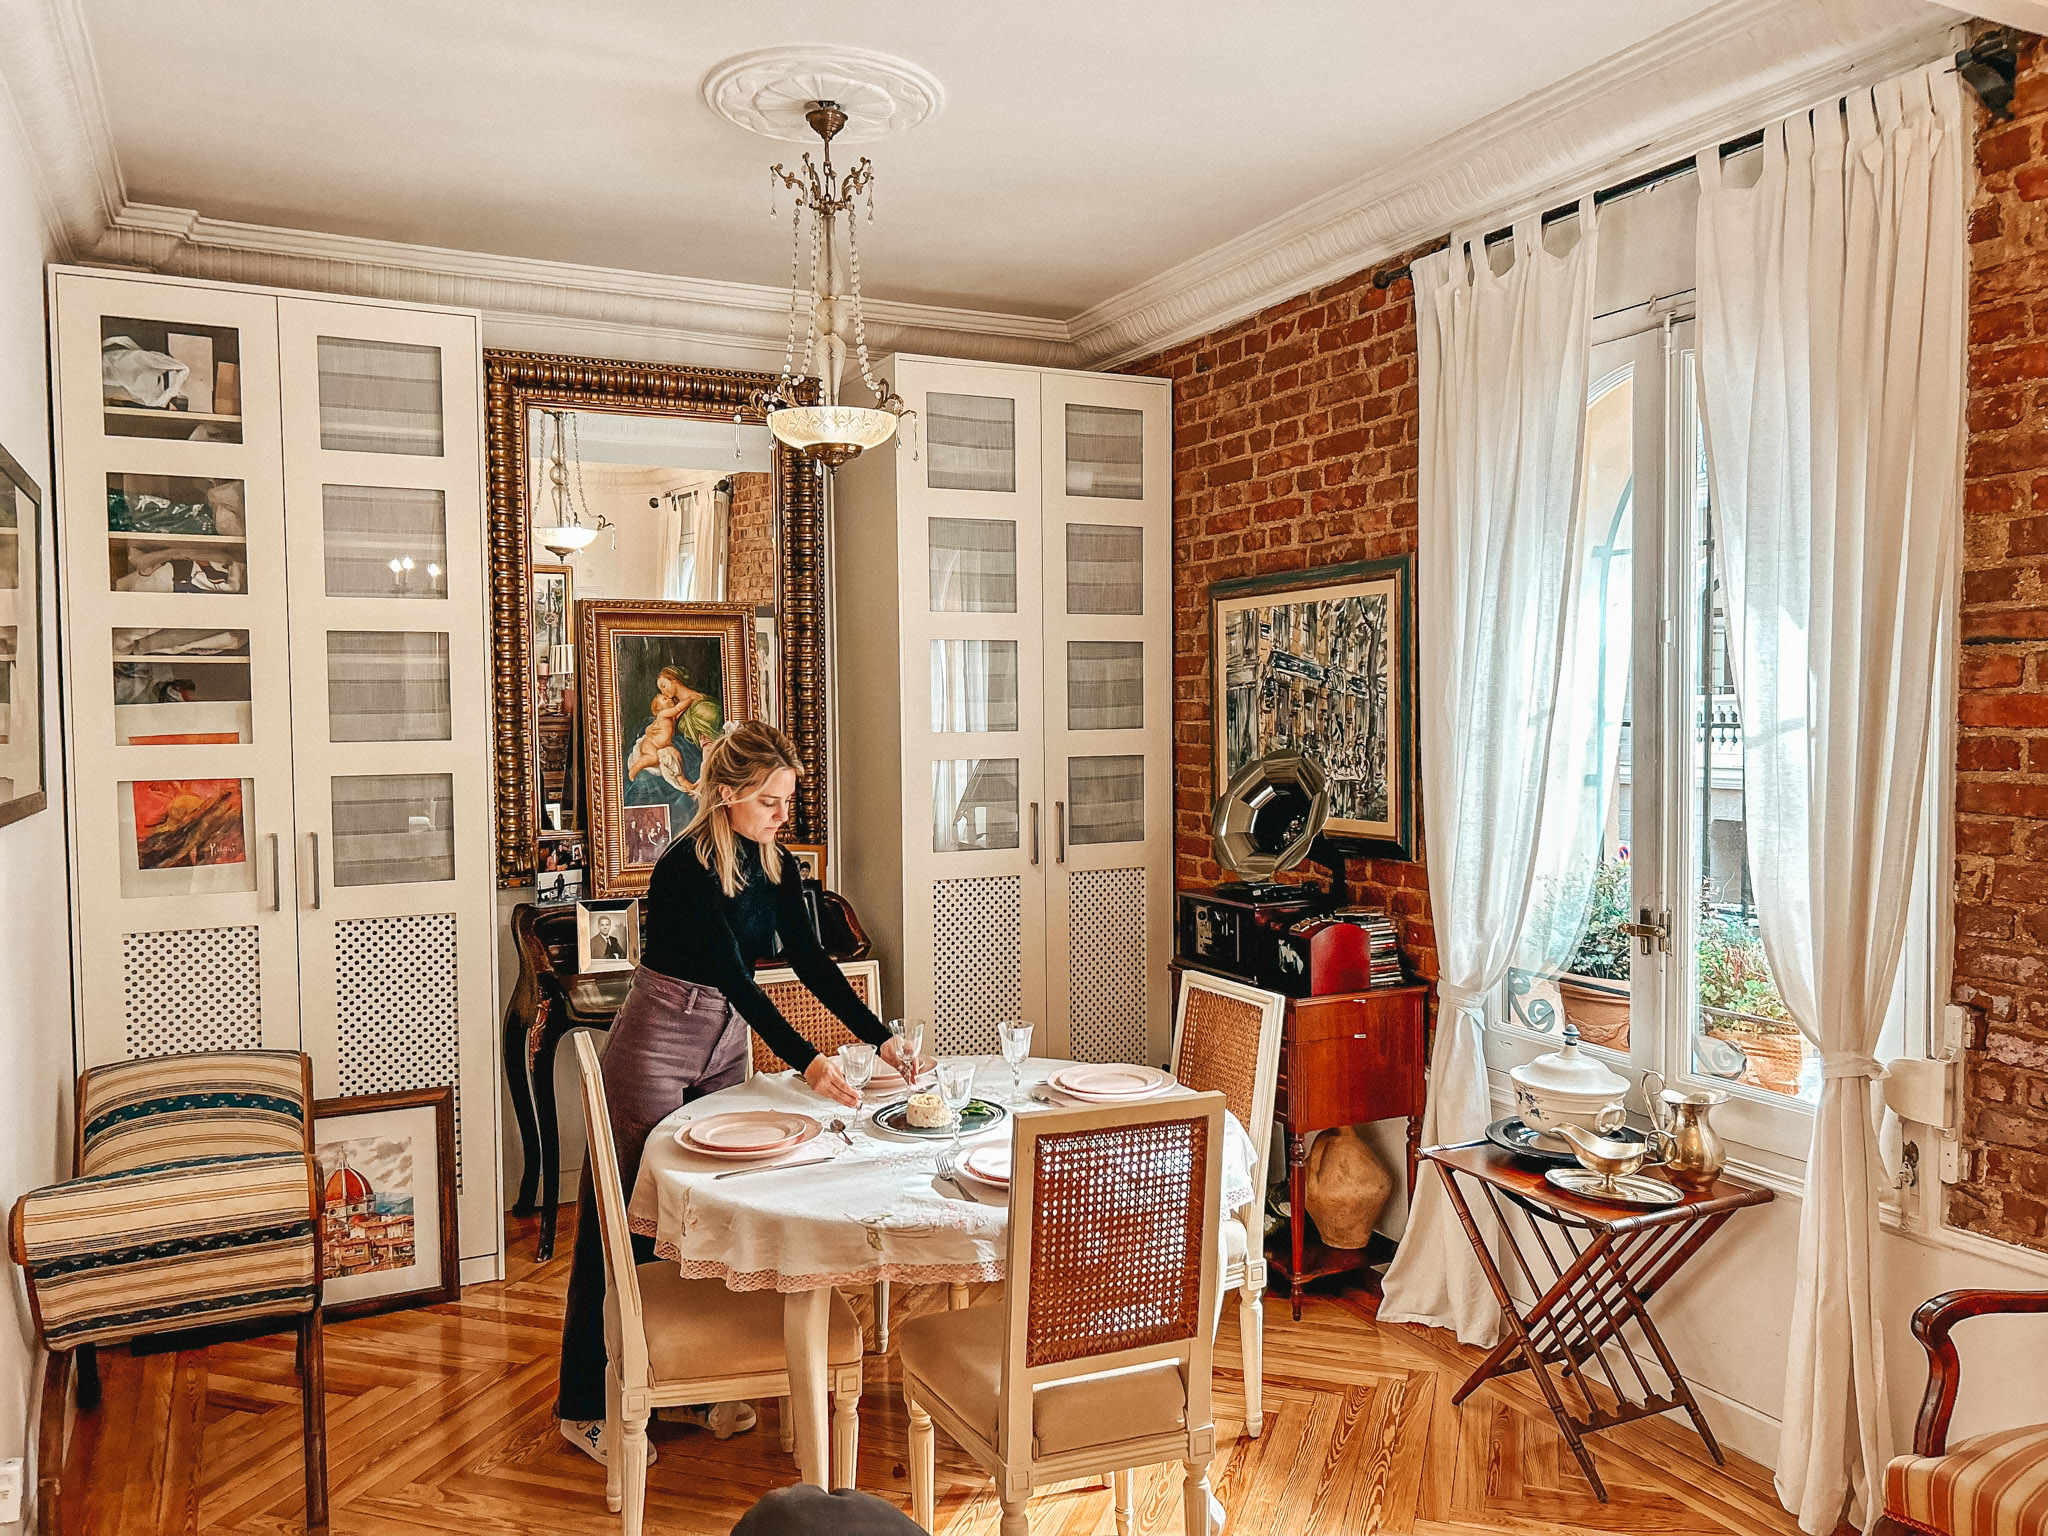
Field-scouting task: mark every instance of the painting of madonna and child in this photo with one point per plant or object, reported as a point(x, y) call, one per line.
point(666, 678)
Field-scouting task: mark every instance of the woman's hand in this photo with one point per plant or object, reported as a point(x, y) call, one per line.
point(896, 1055)
point(824, 1076)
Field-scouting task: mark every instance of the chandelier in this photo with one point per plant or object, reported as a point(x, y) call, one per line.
point(830, 433)
point(570, 534)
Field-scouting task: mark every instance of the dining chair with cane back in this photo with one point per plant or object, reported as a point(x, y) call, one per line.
point(1226, 1039)
point(1099, 1353)
point(193, 1217)
point(674, 1342)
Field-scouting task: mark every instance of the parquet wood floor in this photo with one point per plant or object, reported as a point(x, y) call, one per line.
point(441, 1421)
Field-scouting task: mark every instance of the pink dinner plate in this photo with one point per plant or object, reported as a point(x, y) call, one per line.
point(1112, 1084)
point(990, 1164)
point(746, 1133)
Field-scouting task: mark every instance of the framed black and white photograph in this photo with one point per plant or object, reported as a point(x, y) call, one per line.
point(387, 1177)
point(608, 935)
point(810, 859)
point(557, 887)
point(1322, 662)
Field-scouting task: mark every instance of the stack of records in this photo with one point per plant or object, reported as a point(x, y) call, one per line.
point(1385, 941)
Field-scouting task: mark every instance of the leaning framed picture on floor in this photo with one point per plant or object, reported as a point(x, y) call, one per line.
point(387, 1181)
point(1323, 662)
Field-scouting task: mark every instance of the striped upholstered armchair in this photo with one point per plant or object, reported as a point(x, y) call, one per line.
point(194, 1212)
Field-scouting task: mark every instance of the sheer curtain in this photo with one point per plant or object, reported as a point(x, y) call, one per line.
point(711, 514)
point(1503, 372)
point(1831, 344)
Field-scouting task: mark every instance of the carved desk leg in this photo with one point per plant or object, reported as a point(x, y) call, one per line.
point(550, 1136)
point(519, 1083)
point(1297, 1213)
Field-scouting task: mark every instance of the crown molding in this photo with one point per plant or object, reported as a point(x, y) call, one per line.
point(1664, 97)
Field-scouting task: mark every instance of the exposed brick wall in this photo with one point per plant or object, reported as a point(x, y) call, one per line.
point(1293, 447)
point(2002, 756)
point(750, 542)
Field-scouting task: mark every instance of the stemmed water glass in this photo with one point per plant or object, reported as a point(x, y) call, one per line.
point(909, 1034)
point(956, 1088)
point(1016, 1038)
point(857, 1063)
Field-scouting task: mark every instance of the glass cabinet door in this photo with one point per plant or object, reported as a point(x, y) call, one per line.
point(172, 540)
point(391, 679)
point(1108, 645)
point(972, 656)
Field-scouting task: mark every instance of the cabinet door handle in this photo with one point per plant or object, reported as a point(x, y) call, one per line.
point(314, 839)
point(1361, 1037)
point(1034, 831)
point(1059, 821)
point(276, 891)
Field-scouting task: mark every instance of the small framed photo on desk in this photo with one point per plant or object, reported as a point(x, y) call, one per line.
point(608, 935)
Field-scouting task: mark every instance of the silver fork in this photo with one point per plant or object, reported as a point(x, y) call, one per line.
point(946, 1174)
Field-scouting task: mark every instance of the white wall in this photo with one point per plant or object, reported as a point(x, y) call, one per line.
point(35, 952)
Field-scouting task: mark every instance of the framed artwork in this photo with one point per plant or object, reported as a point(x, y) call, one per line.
point(810, 858)
point(387, 1178)
point(185, 837)
point(607, 935)
point(557, 887)
point(561, 850)
point(554, 639)
point(660, 681)
point(1323, 662)
point(23, 790)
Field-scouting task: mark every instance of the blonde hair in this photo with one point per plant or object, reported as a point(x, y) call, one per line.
point(739, 761)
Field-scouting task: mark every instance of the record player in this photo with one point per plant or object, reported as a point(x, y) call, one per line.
point(1264, 824)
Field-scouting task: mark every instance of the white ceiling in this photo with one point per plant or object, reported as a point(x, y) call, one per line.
point(1082, 147)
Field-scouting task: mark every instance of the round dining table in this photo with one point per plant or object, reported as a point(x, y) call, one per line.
point(849, 1208)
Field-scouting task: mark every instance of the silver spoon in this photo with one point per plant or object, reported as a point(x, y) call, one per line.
point(838, 1128)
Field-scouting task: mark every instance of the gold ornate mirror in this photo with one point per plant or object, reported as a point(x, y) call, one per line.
point(671, 487)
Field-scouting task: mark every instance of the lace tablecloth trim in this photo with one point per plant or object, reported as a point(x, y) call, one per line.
point(867, 1275)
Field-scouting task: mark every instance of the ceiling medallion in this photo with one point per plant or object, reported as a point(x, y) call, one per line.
point(772, 91)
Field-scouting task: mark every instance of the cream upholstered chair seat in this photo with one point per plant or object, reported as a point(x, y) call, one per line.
point(673, 1342)
point(1099, 1354)
point(693, 1323)
point(961, 1355)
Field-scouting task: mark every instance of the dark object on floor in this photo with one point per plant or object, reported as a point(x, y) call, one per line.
point(806, 1510)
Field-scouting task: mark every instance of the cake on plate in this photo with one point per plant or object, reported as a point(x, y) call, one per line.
point(928, 1111)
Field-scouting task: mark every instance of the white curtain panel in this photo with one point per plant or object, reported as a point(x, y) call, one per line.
point(712, 510)
point(1831, 354)
point(1503, 364)
point(675, 559)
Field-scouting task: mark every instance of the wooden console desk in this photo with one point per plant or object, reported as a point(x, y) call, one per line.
point(1344, 1058)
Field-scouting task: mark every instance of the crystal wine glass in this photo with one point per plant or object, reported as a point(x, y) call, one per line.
point(857, 1062)
point(956, 1088)
point(909, 1034)
point(1016, 1038)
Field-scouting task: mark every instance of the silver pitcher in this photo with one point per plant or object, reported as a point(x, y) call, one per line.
point(1686, 1142)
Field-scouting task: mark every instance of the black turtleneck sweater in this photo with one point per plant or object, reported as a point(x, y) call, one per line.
point(697, 933)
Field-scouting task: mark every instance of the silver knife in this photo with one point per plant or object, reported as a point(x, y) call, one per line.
point(809, 1162)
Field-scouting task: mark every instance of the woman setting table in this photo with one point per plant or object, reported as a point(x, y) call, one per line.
point(721, 898)
point(848, 1207)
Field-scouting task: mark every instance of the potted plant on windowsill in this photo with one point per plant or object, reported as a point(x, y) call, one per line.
point(1740, 1005)
point(1594, 986)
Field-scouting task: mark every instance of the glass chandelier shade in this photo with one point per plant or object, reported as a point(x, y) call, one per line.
point(569, 534)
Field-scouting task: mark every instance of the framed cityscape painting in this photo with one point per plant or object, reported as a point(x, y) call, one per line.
point(387, 1180)
point(659, 683)
point(1322, 662)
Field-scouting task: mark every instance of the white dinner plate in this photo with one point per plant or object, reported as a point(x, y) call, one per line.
point(990, 1164)
point(1113, 1084)
point(689, 1143)
point(758, 1130)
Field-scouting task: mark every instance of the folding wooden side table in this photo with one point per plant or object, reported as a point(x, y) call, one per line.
point(1606, 1263)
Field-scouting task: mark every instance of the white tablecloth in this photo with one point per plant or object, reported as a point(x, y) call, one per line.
point(875, 1212)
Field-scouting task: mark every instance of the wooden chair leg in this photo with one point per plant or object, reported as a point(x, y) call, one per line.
point(1194, 1498)
point(1251, 1340)
point(49, 1509)
point(787, 1421)
point(923, 1463)
point(881, 1317)
point(312, 1350)
point(629, 1453)
point(846, 1432)
point(88, 1378)
point(1120, 1485)
point(1016, 1522)
point(614, 1430)
point(956, 1299)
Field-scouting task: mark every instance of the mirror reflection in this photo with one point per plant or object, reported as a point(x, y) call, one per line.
point(630, 505)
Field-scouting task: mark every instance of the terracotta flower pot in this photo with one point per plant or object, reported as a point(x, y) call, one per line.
point(1600, 1016)
point(1774, 1059)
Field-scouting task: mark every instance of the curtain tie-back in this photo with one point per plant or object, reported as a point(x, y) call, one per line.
point(1453, 998)
point(1835, 1064)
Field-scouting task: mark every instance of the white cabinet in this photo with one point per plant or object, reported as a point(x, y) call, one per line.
point(277, 666)
point(1003, 651)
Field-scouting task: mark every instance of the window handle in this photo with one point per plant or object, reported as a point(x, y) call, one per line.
point(314, 839)
point(1059, 821)
point(1653, 930)
point(1034, 831)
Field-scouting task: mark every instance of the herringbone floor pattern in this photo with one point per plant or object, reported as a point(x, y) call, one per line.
point(440, 1421)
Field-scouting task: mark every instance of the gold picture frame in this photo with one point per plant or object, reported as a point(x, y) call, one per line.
point(658, 681)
